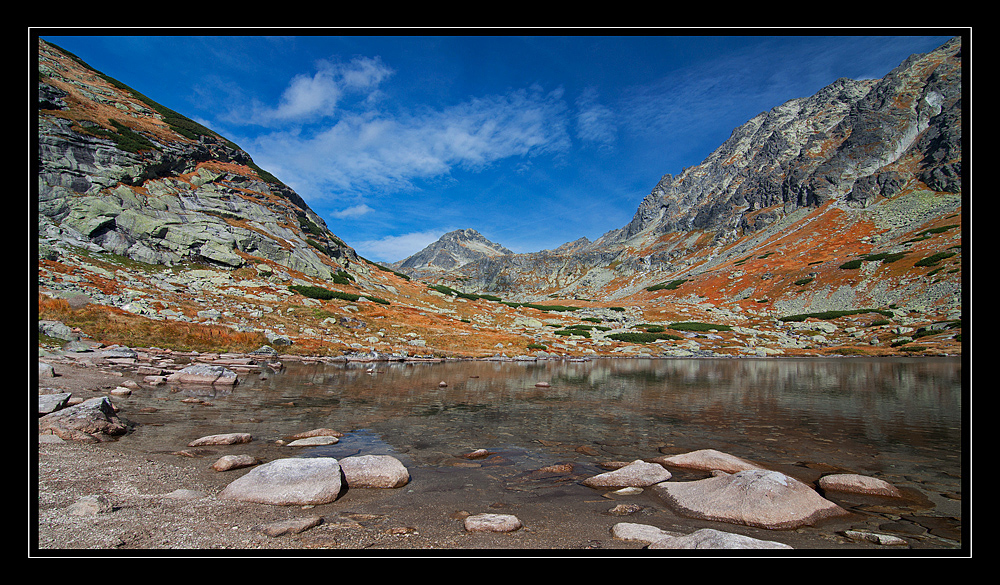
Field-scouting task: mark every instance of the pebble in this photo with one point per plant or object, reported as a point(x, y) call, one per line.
point(492, 523)
point(222, 439)
point(292, 526)
point(89, 506)
point(228, 462)
point(313, 441)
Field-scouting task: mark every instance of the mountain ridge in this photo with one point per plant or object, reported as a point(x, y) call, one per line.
point(805, 154)
point(148, 220)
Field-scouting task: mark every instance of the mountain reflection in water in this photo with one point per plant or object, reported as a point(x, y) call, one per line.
point(871, 415)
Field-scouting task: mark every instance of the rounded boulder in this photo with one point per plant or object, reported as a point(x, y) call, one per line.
point(288, 482)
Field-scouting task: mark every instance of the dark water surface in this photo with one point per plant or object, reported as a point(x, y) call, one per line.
point(897, 419)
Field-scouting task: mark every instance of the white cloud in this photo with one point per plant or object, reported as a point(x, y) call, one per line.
point(352, 212)
point(309, 97)
point(393, 248)
point(365, 152)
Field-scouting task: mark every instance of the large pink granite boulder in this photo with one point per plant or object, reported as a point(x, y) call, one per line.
point(755, 497)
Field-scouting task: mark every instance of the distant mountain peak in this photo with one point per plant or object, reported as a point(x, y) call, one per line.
point(452, 250)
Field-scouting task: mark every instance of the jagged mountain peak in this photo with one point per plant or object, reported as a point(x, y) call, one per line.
point(451, 251)
point(852, 141)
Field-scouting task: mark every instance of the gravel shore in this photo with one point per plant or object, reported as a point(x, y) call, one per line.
point(143, 510)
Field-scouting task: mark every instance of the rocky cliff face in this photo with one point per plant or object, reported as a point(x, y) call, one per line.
point(853, 141)
point(451, 251)
point(118, 173)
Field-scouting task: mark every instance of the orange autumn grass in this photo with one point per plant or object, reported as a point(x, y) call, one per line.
point(112, 326)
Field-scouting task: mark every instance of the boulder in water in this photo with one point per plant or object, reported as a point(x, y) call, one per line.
point(756, 497)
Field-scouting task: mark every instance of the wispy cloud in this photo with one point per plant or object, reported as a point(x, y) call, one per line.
point(371, 151)
point(595, 122)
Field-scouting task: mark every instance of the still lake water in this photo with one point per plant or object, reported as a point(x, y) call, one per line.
point(897, 419)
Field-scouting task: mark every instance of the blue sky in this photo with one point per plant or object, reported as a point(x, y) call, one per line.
point(533, 141)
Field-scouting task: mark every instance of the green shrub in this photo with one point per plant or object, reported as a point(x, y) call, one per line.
point(537, 346)
point(885, 257)
point(850, 265)
point(834, 314)
point(938, 230)
point(317, 292)
point(447, 290)
point(804, 281)
point(650, 328)
point(672, 285)
point(580, 332)
point(933, 259)
point(588, 327)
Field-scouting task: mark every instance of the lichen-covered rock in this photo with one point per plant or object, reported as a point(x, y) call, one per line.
point(222, 439)
point(492, 523)
point(204, 374)
point(708, 538)
point(228, 462)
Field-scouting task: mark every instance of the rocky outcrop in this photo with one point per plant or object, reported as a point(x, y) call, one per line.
point(118, 173)
point(807, 151)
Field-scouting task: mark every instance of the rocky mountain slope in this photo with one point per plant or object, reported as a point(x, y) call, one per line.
point(120, 174)
point(860, 168)
point(452, 250)
point(155, 231)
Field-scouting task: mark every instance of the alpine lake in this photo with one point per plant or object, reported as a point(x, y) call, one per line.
point(547, 425)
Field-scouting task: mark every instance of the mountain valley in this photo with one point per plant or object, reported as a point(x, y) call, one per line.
point(832, 225)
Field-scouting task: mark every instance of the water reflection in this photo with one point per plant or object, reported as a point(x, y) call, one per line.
point(897, 419)
point(885, 415)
